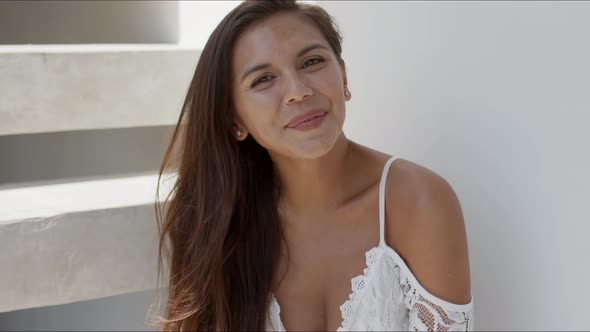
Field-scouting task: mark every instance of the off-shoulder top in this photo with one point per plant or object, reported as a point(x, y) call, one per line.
point(387, 296)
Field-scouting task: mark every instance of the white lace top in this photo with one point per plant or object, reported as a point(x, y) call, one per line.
point(387, 296)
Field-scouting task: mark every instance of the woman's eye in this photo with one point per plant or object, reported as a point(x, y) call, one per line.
point(311, 61)
point(260, 80)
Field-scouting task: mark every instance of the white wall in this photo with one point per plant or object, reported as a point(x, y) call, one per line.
point(493, 96)
point(198, 19)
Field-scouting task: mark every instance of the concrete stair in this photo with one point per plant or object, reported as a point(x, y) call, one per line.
point(71, 239)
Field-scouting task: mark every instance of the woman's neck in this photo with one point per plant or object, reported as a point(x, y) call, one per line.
point(314, 187)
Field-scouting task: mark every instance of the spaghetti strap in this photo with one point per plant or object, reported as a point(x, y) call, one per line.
point(382, 201)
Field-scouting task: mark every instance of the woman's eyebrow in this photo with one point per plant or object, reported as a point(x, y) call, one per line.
point(264, 65)
point(311, 47)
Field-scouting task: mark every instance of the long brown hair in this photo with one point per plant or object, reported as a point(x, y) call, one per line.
point(220, 231)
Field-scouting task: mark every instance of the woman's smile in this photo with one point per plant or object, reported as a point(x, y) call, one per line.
point(309, 124)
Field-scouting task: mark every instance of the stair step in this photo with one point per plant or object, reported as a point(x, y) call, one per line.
point(63, 243)
point(49, 88)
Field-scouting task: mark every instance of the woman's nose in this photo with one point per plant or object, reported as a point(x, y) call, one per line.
point(297, 90)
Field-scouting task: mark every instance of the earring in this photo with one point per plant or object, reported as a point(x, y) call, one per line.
point(347, 93)
point(238, 133)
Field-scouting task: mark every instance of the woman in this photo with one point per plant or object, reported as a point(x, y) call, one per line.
point(278, 220)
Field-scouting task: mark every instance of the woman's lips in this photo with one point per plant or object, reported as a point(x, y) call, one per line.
point(305, 118)
point(310, 123)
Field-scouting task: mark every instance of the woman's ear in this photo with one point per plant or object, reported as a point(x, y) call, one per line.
point(347, 94)
point(239, 132)
point(240, 136)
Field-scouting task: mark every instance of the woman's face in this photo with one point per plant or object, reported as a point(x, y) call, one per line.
point(283, 68)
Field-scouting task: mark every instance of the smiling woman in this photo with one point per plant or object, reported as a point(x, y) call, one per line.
point(293, 88)
point(274, 204)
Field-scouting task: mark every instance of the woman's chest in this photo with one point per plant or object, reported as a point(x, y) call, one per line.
point(313, 277)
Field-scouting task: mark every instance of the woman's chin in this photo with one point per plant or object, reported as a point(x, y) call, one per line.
point(314, 148)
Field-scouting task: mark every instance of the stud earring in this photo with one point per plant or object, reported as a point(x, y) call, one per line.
point(238, 133)
point(347, 93)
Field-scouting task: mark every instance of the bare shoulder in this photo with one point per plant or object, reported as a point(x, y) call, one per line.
point(424, 224)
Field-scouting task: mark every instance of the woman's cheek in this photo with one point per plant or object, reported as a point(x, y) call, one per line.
point(260, 123)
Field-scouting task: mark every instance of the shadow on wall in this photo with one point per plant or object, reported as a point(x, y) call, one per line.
point(67, 156)
point(122, 312)
point(88, 22)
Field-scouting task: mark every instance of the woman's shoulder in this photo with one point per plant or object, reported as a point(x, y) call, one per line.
point(424, 224)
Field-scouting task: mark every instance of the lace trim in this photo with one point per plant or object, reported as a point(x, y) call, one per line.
point(275, 314)
point(359, 286)
point(425, 315)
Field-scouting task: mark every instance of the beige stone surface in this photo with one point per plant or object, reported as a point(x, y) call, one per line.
point(31, 202)
point(77, 256)
point(60, 88)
